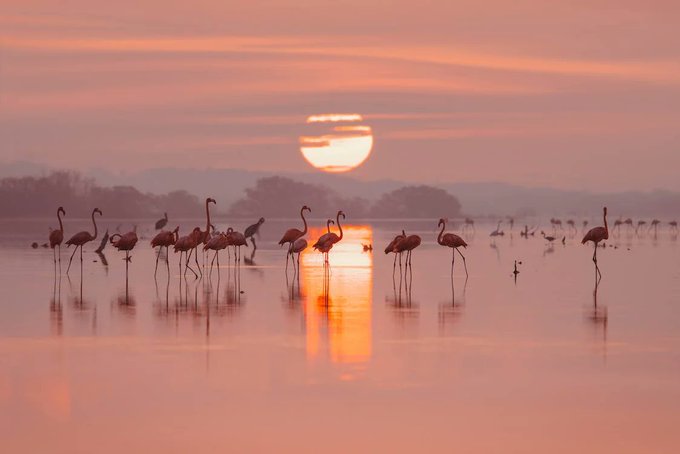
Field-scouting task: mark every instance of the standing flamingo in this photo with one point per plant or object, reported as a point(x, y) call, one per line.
point(125, 242)
point(654, 225)
point(253, 230)
point(297, 247)
point(216, 243)
point(162, 222)
point(327, 241)
point(57, 236)
point(454, 242)
point(391, 248)
point(82, 238)
point(164, 239)
point(469, 223)
point(237, 239)
point(293, 234)
point(185, 245)
point(674, 225)
point(407, 245)
point(322, 244)
point(597, 234)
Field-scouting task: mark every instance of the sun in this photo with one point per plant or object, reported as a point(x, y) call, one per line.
point(336, 142)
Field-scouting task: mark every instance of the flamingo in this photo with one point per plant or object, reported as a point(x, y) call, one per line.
point(237, 239)
point(297, 247)
point(391, 248)
point(185, 245)
point(617, 225)
point(293, 234)
point(252, 230)
point(597, 234)
point(469, 224)
point(125, 242)
point(498, 231)
point(327, 241)
point(323, 244)
point(407, 245)
point(82, 238)
point(164, 239)
point(162, 222)
point(216, 243)
point(629, 222)
point(205, 236)
point(548, 238)
point(57, 236)
point(654, 225)
point(571, 224)
point(454, 242)
point(674, 225)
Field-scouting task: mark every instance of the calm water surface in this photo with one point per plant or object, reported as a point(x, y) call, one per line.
point(254, 361)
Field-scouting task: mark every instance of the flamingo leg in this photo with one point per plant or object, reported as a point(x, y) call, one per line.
point(287, 254)
point(252, 240)
point(157, 257)
point(71, 259)
point(196, 259)
point(453, 259)
point(464, 264)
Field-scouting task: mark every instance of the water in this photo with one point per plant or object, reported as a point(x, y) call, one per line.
point(487, 365)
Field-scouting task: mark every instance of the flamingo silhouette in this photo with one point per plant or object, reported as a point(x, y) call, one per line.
point(323, 244)
point(81, 238)
point(597, 234)
point(293, 234)
point(164, 239)
point(391, 249)
point(57, 236)
point(162, 222)
point(252, 230)
point(326, 242)
point(186, 245)
point(454, 242)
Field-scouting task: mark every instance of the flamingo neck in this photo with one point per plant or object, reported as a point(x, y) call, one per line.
point(606, 227)
point(337, 219)
point(207, 215)
point(304, 221)
point(61, 226)
point(439, 238)
point(95, 226)
point(328, 226)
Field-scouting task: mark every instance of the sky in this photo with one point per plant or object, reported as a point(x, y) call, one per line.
point(567, 94)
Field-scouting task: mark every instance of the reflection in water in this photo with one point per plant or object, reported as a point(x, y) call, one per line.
point(56, 309)
point(597, 315)
point(452, 310)
point(339, 296)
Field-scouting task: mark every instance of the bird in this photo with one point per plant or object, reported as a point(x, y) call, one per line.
point(57, 236)
point(293, 234)
point(640, 224)
point(205, 235)
point(323, 244)
point(164, 239)
point(556, 223)
point(454, 242)
point(237, 239)
point(407, 245)
point(216, 243)
point(367, 247)
point(597, 234)
point(390, 248)
point(82, 238)
point(548, 238)
point(297, 247)
point(469, 224)
point(103, 243)
point(674, 225)
point(498, 231)
point(628, 222)
point(125, 242)
point(252, 230)
point(185, 245)
point(571, 224)
point(327, 241)
point(162, 222)
point(654, 225)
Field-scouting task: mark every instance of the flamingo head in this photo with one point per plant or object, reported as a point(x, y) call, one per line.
point(329, 222)
point(61, 210)
point(230, 231)
point(306, 208)
point(261, 221)
point(97, 210)
point(176, 230)
point(605, 211)
point(341, 213)
point(210, 200)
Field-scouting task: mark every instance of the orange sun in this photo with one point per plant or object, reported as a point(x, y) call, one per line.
point(336, 142)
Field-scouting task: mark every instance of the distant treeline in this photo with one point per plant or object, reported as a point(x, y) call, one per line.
point(270, 197)
point(41, 196)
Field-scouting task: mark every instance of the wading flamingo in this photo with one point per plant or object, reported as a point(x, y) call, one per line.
point(162, 222)
point(253, 230)
point(185, 245)
point(125, 242)
point(322, 244)
point(391, 249)
point(57, 236)
point(454, 242)
point(327, 241)
point(82, 238)
point(237, 239)
point(164, 239)
point(216, 243)
point(407, 245)
point(293, 234)
point(597, 234)
point(297, 247)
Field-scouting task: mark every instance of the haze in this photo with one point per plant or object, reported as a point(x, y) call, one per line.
point(574, 95)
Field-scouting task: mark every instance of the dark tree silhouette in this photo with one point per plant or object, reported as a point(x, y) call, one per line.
point(417, 202)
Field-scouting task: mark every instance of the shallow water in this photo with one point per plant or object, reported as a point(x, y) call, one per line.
point(254, 361)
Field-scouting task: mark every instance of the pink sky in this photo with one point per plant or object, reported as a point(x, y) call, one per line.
point(569, 94)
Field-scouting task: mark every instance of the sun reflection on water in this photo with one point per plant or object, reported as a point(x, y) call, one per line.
point(339, 307)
